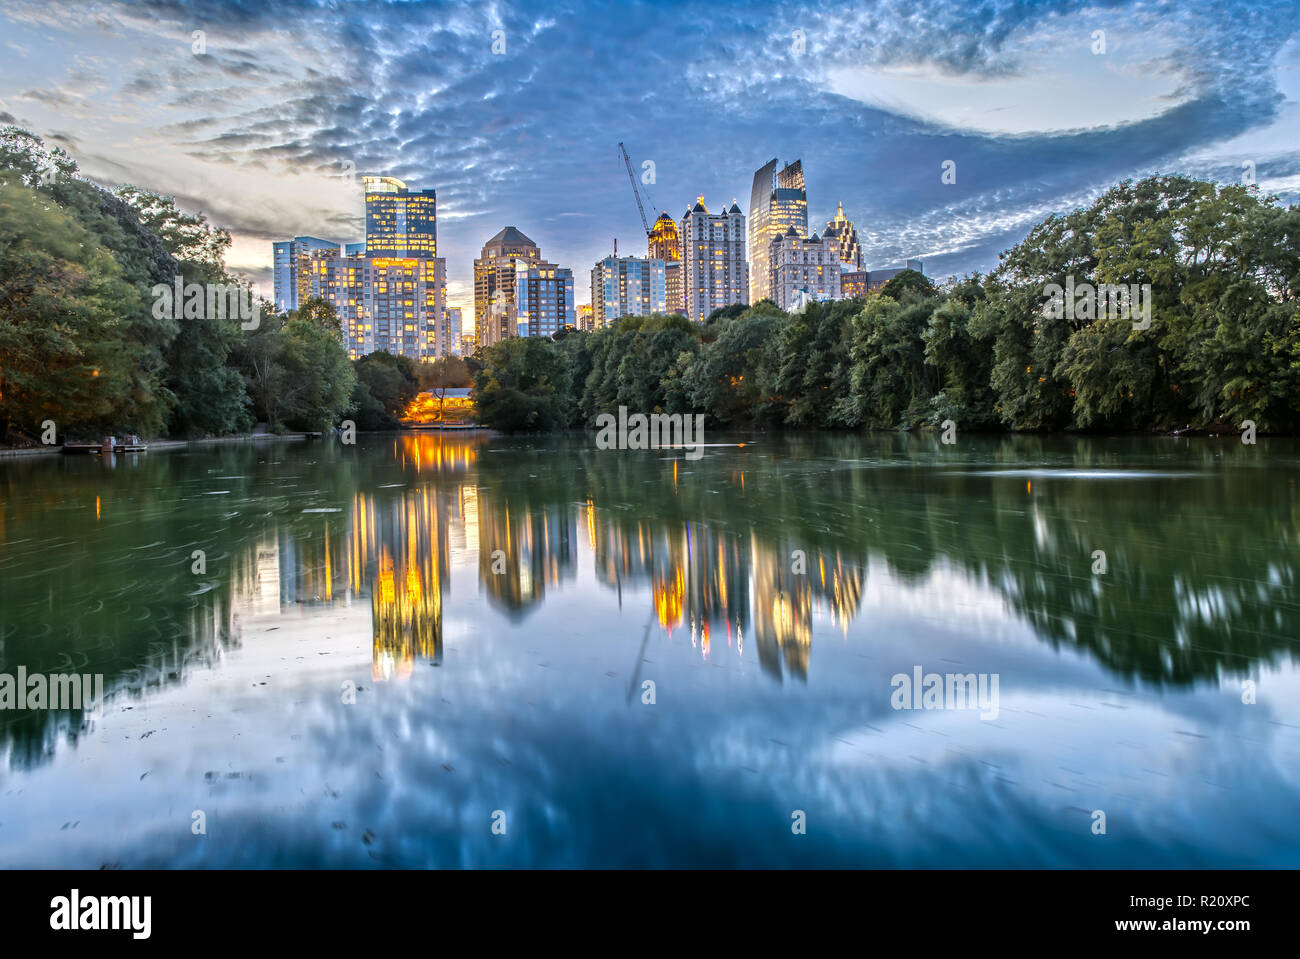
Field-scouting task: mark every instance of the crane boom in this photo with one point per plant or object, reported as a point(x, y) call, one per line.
point(635, 192)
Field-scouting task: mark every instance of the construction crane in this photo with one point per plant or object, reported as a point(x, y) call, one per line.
point(635, 192)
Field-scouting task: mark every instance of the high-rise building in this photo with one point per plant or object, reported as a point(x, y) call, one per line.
point(293, 269)
point(714, 271)
point(627, 286)
point(394, 304)
point(586, 321)
point(543, 299)
point(842, 234)
point(504, 256)
point(453, 327)
point(803, 269)
point(665, 244)
point(399, 222)
point(777, 202)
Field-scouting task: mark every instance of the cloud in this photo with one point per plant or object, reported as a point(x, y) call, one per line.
point(260, 129)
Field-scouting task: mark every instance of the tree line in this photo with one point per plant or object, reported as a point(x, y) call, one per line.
point(82, 345)
point(987, 351)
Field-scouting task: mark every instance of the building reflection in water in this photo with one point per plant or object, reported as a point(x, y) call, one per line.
point(726, 593)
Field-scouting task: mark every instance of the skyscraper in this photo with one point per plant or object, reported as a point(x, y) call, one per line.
point(841, 233)
point(503, 256)
point(389, 292)
point(394, 304)
point(293, 269)
point(803, 269)
point(544, 299)
point(453, 328)
point(399, 223)
point(665, 244)
point(627, 286)
point(777, 202)
point(715, 273)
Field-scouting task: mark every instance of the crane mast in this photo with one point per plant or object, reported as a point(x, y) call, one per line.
point(635, 192)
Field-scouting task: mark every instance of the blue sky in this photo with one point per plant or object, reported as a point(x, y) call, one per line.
point(265, 130)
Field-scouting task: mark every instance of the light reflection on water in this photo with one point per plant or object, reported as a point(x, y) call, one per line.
point(498, 604)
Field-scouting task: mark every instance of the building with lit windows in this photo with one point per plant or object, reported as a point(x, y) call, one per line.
point(714, 270)
point(586, 320)
point(292, 269)
point(399, 222)
point(627, 286)
point(856, 285)
point(396, 304)
point(803, 269)
point(496, 271)
point(543, 300)
point(665, 244)
point(841, 232)
point(777, 202)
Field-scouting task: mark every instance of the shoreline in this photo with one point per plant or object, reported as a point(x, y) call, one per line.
point(16, 452)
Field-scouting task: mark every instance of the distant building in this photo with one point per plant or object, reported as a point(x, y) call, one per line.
point(777, 202)
point(857, 284)
point(665, 244)
point(715, 272)
point(585, 318)
point(495, 272)
point(841, 232)
point(803, 269)
point(399, 222)
point(293, 269)
point(543, 300)
point(453, 328)
point(627, 286)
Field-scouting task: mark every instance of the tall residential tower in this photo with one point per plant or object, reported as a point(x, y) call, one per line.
point(777, 202)
point(714, 271)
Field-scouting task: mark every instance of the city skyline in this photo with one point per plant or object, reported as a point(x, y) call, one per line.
point(1035, 118)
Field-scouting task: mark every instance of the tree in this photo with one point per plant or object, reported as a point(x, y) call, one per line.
point(522, 385)
point(66, 349)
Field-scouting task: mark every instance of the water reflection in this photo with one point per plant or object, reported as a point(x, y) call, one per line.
point(761, 551)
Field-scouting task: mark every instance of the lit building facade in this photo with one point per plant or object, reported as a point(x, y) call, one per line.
point(503, 258)
point(543, 300)
point(586, 320)
point(714, 270)
point(627, 286)
point(292, 264)
point(396, 304)
point(399, 222)
point(777, 202)
point(841, 232)
point(665, 244)
point(803, 269)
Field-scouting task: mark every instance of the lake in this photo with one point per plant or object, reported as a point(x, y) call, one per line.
point(799, 650)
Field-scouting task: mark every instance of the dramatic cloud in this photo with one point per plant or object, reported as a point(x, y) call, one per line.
point(263, 115)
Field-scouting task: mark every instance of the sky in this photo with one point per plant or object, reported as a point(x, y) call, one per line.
point(264, 115)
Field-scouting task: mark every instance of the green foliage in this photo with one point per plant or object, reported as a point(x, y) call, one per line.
point(523, 385)
point(71, 348)
point(385, 386)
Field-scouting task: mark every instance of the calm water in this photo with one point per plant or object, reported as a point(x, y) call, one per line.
point(500, 606)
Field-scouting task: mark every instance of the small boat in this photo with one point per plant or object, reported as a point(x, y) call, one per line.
point(132, 448)
point(80, 448)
